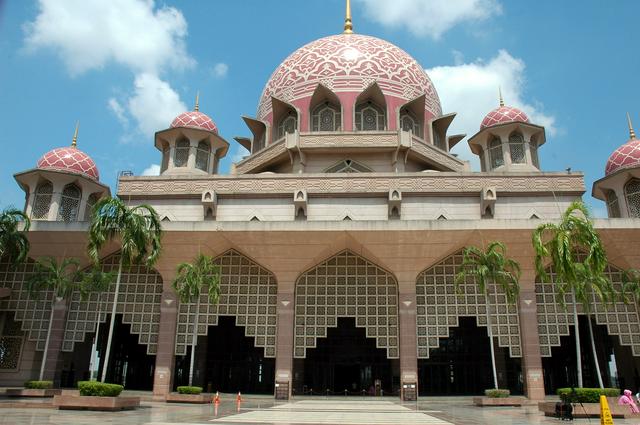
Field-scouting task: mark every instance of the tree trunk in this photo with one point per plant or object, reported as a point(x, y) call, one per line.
point(493, 354)
point(194, 342)
point(595, 354)
point(46, 344)
point(577, 332)
point(94, 345)
point(112, 322)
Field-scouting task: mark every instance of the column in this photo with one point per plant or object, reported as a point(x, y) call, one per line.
point(56, 198)
point(284, 343)
point(408, 342)
point(191, 162)
point(531, 359)
point(172, 154)
point(51, 369)
point(165, 358)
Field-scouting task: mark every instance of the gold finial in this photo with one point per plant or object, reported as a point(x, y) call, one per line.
point(348, 25)
point(500, 94)
point(632, 134)
point(197, 107)
point(74, 142)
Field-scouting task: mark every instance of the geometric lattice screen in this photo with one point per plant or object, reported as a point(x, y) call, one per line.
point(439, 306)
point(138, 302)
point(33, 314)
point(555, 321)
point(346, 285)
point(248, 292)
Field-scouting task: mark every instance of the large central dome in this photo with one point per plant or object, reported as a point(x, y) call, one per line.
point(349, 63)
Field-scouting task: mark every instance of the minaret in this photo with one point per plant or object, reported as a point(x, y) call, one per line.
point(74, 141)
point(632, 134)
point(348, 25)
point(500, 95)
point(197, 107)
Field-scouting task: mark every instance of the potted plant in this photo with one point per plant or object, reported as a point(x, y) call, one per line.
point(93, 395)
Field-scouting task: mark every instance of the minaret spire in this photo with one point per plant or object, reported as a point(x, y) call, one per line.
point(74, 141)
point(348, 24)
point(632, 134)
point(500, 94)
point(197, 107)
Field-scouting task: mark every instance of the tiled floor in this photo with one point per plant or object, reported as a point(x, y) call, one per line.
point(254, 410)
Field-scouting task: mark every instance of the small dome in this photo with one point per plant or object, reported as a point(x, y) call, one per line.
point(69, 159)
point(626, 156)
point(503, 114)
point(194, 119)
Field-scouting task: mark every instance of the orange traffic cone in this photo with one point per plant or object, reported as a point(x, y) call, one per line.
point(216, 398)
point(238, 398)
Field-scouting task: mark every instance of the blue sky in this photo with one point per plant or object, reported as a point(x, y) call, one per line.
point(124, 67)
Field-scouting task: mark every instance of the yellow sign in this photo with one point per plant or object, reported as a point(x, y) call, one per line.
point(605, 413)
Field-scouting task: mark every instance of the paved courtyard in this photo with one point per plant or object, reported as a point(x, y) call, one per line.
point(304, 411)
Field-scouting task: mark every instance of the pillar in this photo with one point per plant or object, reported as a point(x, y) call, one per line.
point(51, 369)
point(408, 342)
point(531, 359)
point(165, 358)
point(284, 343)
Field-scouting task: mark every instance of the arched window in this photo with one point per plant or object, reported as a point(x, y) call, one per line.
point(408, 122)
point(202, 156)
point(495, 153)
point(348, 166)
point(632, 193)
point(42, 201)
point(613, 207)
point(516, 148)
point(370, 117)
point(69, 203)
point(181, 156)
point(91, 201)
point(533, 148)
point(289, 124)
point(165, 159)
point(325, 117)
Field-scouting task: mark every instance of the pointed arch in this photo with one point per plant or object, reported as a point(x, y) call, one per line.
point(286, 118)
point(517, 148)
point(42, 200)
point(69, 207)
point(346, 285)
point(370, 111)
point(325, 110)
point(632, 195)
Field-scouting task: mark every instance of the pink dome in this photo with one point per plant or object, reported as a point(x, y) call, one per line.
point(626, 156)
point(194, 119)
point(503, 114)
point(349, 63)
point(69, 159)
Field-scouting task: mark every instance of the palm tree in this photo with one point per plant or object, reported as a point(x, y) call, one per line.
point(578, 259)
point(190, 279)
point(13, 241)
point(138, 231)
point(60, 279)
point(98, 281)
point(631, 285)
point(491, 267)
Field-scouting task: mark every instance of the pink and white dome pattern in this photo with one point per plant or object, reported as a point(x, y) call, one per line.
point(626, 156)
point(194, 119)
point(349, 63)
point(69, 159)
point(503, 114)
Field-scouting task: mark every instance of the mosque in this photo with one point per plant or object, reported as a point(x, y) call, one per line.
point(338, 238)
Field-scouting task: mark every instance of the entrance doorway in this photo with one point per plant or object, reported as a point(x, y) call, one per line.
point(227, 361)
point(461, 365)
point(346, 362)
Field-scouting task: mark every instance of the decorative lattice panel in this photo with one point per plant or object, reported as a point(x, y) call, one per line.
point(439, 306)
point(248, 292)
point(10, 343)
point(138, 302)
point(33, 314)
point(346, 285)
point(555, 321)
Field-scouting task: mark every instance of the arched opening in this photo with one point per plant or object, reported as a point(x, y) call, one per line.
point(203, 152)
point(613, 207)
point(325, 110)
point(69, 203)
point(42, 201)
point(632, 193)
point(516, 148)
point(395, 214)
point(348, 166)
point(370, 110)
point(346, 328)
point(409, 122)
point(300, 215)
point(91, 202)
point(496, 158)
point(181, 155)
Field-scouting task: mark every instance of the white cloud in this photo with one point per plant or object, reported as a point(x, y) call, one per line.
point(471, 90)
point(152, 170)
point(118, 111)
point(429, 17)
point(90, 34)
point(220, 70)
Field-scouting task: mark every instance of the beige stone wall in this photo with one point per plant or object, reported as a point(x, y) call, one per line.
point(544, 207)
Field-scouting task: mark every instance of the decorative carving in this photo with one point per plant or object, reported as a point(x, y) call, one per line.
point(261, 157)
point(394, 203)
point(300, 200)
point(488, 197)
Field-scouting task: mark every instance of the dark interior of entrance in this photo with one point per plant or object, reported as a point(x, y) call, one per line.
point(461, 365)
point(345, 362)
point(227, 361)
point(618, 367)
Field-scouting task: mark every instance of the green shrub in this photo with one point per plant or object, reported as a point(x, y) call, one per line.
point(99, 389)
point(586, 395)
point(38, 385)
point(189, 390)
point(497, 393)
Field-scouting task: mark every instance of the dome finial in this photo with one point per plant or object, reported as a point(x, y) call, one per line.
point(500, 94)
point(348, 25)
point(632, 134)
point(74, 141)
point(197, 107)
